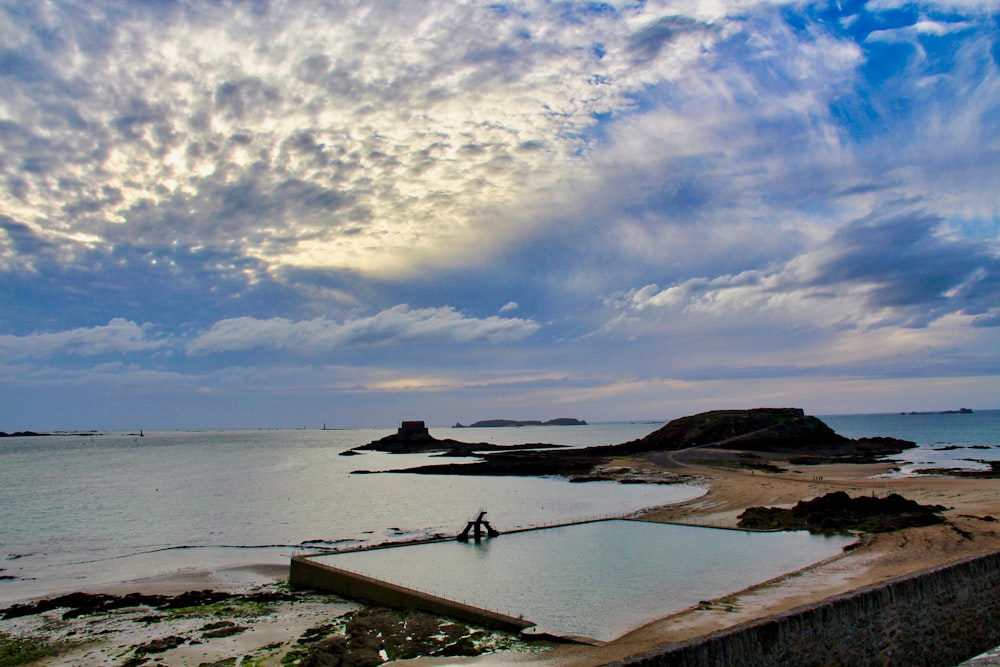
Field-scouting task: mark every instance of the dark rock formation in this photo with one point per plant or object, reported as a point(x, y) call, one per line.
point(993, 472)
point(413, 437)
point(782, 431)
point(518, 464)
point(839, 513)
point(85, 604)
point(787, 430)
point(221, 629)
point(499, 423)
point(370, 632)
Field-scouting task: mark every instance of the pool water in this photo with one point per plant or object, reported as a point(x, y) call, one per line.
point(598, 580)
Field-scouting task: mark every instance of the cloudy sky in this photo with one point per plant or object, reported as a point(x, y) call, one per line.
point(296, 212)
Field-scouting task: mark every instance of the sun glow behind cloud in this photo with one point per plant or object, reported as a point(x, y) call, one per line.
point(393, 135)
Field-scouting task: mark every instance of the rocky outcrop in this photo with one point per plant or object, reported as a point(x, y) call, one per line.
point(88, 604)
point(371, 636)
point(787, 430)
point(412, 437)
point(839, 513)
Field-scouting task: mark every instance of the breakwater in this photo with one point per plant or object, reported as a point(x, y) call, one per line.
point(940, 616)
point(598, 580)
point(307, 573)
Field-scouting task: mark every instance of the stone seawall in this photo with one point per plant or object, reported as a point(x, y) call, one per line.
point(937, 617)
point(308, 573)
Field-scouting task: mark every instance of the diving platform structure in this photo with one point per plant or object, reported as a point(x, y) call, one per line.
point(475, 528)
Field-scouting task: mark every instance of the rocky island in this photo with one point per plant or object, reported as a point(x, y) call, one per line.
point(762, 438)
point(412, 437)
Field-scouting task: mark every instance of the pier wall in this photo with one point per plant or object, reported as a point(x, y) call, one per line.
point(307, 573)
point(936, 617)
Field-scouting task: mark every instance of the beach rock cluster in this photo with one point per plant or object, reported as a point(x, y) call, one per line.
point(87, 604)
point(373, 636)
point(139, 630)
point(839, 513)
point(15, 650)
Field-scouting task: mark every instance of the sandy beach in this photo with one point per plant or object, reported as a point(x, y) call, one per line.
point(969, 530)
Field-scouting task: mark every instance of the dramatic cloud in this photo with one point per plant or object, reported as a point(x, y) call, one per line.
point(396, 131)
point(900, 271)
point(234, 195)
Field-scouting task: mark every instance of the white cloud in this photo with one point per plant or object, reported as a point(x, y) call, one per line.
point(370, 138)
point(119, 336)
point(397, 325)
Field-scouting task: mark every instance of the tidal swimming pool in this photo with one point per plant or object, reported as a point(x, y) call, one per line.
point(598, 580)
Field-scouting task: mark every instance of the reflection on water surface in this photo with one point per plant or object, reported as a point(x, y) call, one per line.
point(596, 580)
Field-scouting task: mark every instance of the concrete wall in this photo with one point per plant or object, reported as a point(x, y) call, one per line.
point(936, 617)
point(310, 574)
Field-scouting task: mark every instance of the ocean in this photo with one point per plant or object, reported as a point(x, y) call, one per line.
point(79, 511)
point(84, 510)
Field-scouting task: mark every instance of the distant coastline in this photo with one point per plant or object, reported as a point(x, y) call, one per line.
point(960, 411)
point(500, 423)
point(33, 434)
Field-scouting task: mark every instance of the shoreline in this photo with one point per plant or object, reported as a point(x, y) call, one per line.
point(236, 579)
point(879, 558)
point(970, 530)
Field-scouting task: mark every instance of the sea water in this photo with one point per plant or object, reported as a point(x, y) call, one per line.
point(77, 511)
point(945, 440)
point(82, 510)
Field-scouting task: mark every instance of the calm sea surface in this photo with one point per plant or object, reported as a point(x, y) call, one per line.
point(84, 510)
point(945, 440)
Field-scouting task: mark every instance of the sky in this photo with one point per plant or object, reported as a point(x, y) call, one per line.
point(290, 213)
